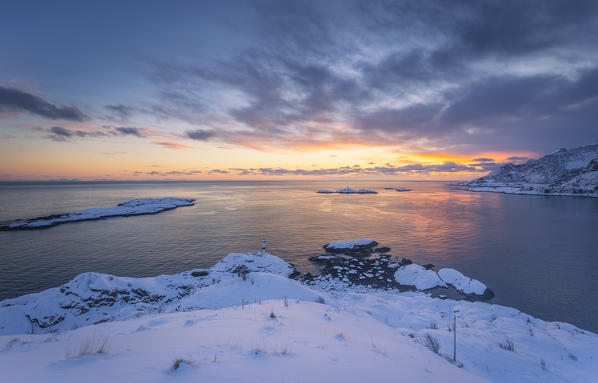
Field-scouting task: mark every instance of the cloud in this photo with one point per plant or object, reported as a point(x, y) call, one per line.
point(119, 112)
point(393, 73)
point(463, 77)
point(199, 134)
point(445, 167)
point(497, 112)
point(60, 131)
point(172, 145)
point(483, 159)
point(517, 158)
point(62, 134)
point(14, 100)
point(128, 131)
point(218, 171)
point(168, 173)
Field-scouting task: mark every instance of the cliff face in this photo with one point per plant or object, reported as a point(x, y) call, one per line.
point(564, 172)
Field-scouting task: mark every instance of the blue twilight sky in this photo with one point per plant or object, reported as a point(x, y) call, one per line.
point(207, 89)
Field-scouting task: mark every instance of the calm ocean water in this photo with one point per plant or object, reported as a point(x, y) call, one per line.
point(538, 254)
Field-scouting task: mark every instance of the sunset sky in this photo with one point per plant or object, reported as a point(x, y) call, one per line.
point(136, 90)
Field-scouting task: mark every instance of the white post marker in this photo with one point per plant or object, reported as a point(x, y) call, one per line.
point(264, 244)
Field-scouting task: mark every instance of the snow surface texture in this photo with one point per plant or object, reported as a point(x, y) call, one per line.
point(129, 208)
point(571, 172)
point(348, 190)
point(256, 325)
point(304, 342)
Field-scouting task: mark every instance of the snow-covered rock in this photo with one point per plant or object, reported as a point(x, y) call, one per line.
point(461, 282)
point(254, 261)
point(326, 191)
point(418, 276)
point(350, 244)
point(402, 189)
point(125, 209)
point(572, 172)
point(359, 248)
point(424, 279)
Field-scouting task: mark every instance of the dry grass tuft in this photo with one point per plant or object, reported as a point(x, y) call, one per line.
point(508, 345)
point(432, 343)
point(90, 345)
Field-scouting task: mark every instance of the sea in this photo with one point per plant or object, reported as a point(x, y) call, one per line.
point(538, 254)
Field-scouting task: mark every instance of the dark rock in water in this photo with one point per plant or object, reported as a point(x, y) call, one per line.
point(488, 294)
point(382, 249)
point(356, 250)
point(199, 273)
point(294, 274)
point(429, 266)
point(405, 262)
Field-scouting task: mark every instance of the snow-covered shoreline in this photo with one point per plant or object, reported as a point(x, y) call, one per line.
point(125, 209)
point(245, 319)
point(566, 172)
point(536, 190)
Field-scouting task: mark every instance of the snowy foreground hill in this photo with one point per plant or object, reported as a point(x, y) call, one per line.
point(245, 320)
point(571, 172)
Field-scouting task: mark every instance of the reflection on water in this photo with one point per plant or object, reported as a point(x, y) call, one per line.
point(539, 254)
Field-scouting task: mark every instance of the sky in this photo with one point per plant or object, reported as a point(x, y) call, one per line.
point(414, 90)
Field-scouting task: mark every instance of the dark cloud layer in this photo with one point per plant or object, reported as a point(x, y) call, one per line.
point(459, 76)
point(199, 134)
point(129, 131)
point(425, 82)
point(14, 100)
point(120, 112)
point(388, 169)
point(60, 133)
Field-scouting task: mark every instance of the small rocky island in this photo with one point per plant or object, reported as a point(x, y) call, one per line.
point(348, 190)
point(569, 172)
point(124, 209)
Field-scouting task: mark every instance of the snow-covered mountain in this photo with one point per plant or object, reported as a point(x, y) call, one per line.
point(564, 172)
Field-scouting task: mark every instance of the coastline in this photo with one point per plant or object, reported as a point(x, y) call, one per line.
point(244, 288)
